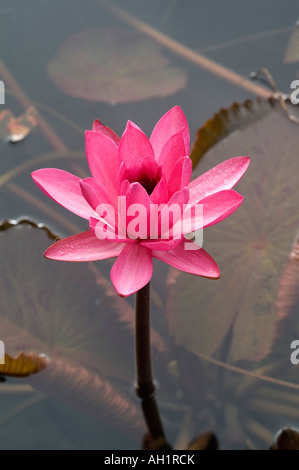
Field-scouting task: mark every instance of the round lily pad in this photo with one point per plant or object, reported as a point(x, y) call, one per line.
point(113, 66)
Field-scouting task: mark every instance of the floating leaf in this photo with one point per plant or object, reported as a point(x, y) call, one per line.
point(89, 393)
point(43, 310)
point(251, 246)
point(15, 129)
point(114, 66)
point(57, 309)
point(288, 291)
point(23, 365)
point(292, 52)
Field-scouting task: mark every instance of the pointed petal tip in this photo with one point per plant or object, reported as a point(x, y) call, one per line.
point(99, 128)
point(88, 133)
point(36, 173)
point(216, 274)
point(245, 160)
point(48, 254)
point(175, 109)
point(96, 125)
point(130, 124)
point(35, 179)
point(122, 293)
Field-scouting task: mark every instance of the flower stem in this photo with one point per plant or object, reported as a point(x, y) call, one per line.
point(145, 387)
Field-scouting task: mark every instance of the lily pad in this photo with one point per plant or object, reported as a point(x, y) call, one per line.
point(288, 292)
point(252, 246)
point(292, 52)
point(114, 66)
point(59, 309)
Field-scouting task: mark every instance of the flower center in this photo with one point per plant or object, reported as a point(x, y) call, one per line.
point(146, 172)
point(148, 183)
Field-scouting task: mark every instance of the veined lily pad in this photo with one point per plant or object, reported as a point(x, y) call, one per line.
point(288, 292)
point(113, 66)
point(253, 245)
point(59, 309)
point(292, 52)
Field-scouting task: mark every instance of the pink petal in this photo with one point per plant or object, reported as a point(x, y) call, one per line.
point(106, 229)
point(102, 158)
point(137, 195)
point(172, 151)
point(93, 193)
point(101, 129)
point(215, 208)
point(105, 212)
point(197, 262)
point(137, 205)
point(165, 223)
point(160, 193)
point(63, 188)
point(180, 176)
point(160, 244)
point(138, 170)
point(132, 270)
point(124, 187)
point(83, 247)
point(223, 176)
point(169, 124)
point(122, 172)
point(133, 143)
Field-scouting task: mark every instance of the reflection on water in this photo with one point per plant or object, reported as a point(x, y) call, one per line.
point(94, 335)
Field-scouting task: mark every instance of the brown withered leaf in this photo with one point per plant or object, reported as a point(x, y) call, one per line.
point(14, 129)
point(23, 365)
point(252, 246)
point(287, 439)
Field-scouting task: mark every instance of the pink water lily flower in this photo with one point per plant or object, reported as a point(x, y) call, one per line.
point(136, 172)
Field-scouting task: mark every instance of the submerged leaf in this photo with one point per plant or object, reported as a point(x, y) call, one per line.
point(23, 365)
point(251, 246)
point(15, 129)
point(288, 291)
point(59, 310)
point(42, 308)
point(113, 66)
point(89, 393)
